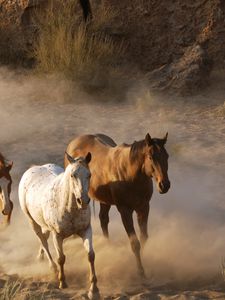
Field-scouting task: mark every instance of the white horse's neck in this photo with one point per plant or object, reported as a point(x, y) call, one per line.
point(66, 195)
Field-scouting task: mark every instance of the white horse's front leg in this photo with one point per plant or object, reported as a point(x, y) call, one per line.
point(58, 243)
point(87, 240)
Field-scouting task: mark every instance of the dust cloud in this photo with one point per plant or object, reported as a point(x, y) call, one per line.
point(39, 116)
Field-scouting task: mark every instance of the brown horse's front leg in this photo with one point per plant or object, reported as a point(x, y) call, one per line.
point(104, 218)
point(127, 219)
point(142, 217)
point(7, 218)
point(87, 240)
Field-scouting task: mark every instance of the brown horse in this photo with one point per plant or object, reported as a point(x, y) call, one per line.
point(86, 7)
point(6, 205)
point(122, 176)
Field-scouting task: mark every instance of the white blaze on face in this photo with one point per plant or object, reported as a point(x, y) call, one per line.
point(81, 182)
point(4, 195)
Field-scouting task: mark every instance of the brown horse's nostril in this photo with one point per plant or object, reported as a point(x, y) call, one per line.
point(3, 212)
point(164, 186)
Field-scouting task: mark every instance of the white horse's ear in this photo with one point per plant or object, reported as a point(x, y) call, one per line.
point(70, 158)
point(88, 158)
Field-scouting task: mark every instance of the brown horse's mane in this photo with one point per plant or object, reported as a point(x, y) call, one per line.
point(137, 147)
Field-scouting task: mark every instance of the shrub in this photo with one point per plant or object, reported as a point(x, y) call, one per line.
point(79, 51)
point(11, 290)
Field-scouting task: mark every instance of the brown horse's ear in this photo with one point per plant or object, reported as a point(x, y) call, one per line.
point(70, 158)
point(9, 166)
point(88, 158)
point(148, 140)
point(164, 140)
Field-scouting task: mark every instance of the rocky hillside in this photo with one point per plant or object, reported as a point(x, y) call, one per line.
point(176, 43)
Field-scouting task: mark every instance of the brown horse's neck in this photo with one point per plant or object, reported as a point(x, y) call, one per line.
point(130, 160)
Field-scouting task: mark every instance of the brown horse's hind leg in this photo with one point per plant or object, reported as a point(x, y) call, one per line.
point(104, 218)
point(142, 217)
point(127, 219)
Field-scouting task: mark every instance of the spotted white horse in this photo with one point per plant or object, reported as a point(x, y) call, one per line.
point(57, 201)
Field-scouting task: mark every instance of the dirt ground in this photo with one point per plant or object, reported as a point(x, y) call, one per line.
point(184, 254)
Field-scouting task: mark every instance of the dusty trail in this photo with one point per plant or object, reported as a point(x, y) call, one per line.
point(39, 117)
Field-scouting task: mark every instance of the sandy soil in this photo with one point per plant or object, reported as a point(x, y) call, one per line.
point(183, 255)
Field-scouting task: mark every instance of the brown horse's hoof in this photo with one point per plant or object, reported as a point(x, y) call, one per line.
point(63, 285)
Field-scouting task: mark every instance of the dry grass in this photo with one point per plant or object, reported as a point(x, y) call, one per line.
point(11, 290)
point(16, 289)
point(81, 52)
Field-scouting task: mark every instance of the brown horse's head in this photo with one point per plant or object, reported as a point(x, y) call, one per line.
point(156, 162)
point(5, 188)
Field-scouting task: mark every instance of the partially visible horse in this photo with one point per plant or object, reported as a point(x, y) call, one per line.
point(86, 7)
point(122, 176)
point(57, 201)
point(6, 205)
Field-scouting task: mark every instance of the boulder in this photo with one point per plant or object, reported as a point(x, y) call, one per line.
point(185, 75)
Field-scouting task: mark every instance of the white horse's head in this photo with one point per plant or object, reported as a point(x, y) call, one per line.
point(80, 178)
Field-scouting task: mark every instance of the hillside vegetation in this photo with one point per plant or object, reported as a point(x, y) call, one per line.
point(175, 44)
